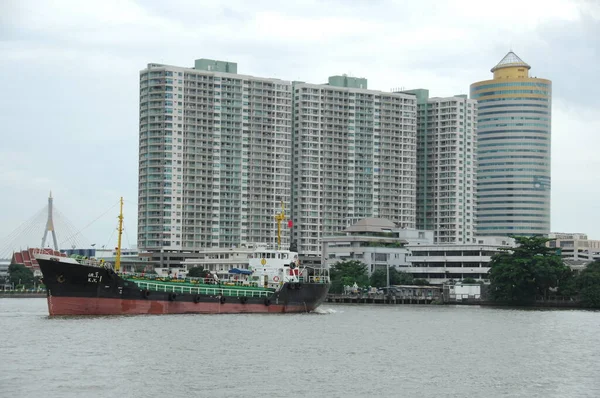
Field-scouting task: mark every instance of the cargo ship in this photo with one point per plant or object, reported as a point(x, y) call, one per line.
point(275, 282)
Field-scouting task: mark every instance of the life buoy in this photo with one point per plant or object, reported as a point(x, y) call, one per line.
point(197, 299)
point(222, 300)
point(317, 279)
point(275, 278)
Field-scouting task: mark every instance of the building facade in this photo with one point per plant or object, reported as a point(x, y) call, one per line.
point(575, 246)
point(354, 157)
point(214, 157)
point(379, 244)
point(374, 242)
point(442, 263)
point(446, 166)
point(513, 151)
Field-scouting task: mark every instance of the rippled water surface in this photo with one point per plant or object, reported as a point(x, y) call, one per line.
point(342, 351)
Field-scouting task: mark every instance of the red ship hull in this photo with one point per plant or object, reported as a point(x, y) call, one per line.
point(115, 306)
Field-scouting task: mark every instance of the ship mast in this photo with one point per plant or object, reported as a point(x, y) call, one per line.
point(279, 218)
point(120, 229)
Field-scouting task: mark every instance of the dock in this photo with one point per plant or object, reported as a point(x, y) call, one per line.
point(379, 299)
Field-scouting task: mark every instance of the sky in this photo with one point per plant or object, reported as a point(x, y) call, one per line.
point(69, 72)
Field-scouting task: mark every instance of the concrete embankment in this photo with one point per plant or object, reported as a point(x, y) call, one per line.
point(381, 299)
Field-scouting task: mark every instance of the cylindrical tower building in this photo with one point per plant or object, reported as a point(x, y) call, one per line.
point(513, 151)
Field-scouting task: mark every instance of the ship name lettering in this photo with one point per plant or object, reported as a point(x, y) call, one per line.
point(93, 277)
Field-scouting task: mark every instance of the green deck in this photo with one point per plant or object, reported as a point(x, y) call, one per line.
point(201, 288)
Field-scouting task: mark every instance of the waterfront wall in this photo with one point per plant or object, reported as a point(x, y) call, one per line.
point(390, 300)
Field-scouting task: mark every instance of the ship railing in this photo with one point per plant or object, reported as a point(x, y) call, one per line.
point(318, 279)
point(318, 275)
point(205, 290)
point(187, 279)
point(93, 262)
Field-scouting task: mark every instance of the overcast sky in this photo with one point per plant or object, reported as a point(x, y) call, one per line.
point(69, 73)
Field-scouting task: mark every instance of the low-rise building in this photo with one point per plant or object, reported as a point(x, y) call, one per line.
point(378, 243)
point(4, 264)
point(132, 260)
point(462, 292)
point(575, 248)
point(375, 242)
point(452, 262)
point(220, 260)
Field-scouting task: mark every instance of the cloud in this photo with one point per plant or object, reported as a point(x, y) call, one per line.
point(575, 163)
point(71, 68)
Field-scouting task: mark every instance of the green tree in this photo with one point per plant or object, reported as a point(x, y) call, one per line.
point(568, 285)
point(379, 278)
point(197, 272)
point(518, 275)
point(469, 280)
point(20, 275)
point(588, 282)
point(346, 273)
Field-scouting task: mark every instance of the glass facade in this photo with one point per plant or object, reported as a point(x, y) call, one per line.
point(514, 141)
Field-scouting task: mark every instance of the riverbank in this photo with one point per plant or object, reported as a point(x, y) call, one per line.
point(379, 299)
point(392, 300)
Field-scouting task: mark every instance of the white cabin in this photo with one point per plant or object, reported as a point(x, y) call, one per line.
point(275, 266)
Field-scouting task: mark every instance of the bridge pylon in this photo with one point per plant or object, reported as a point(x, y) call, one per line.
point(50, 225)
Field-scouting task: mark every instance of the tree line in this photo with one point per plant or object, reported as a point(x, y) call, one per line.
point(532, 271)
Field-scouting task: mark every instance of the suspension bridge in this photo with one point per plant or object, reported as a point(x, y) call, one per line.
point(49, 228)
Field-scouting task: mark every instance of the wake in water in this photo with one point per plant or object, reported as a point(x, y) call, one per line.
point(324, 311)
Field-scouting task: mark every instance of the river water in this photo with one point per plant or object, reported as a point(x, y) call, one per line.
point(341, 351)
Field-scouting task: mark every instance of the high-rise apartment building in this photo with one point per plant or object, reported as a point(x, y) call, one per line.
point(513, 142)
point(214, 156)
point(354, 157)
point(446, 166)
point(219, 151)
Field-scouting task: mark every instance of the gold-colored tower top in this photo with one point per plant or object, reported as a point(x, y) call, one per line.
point(511, 67)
